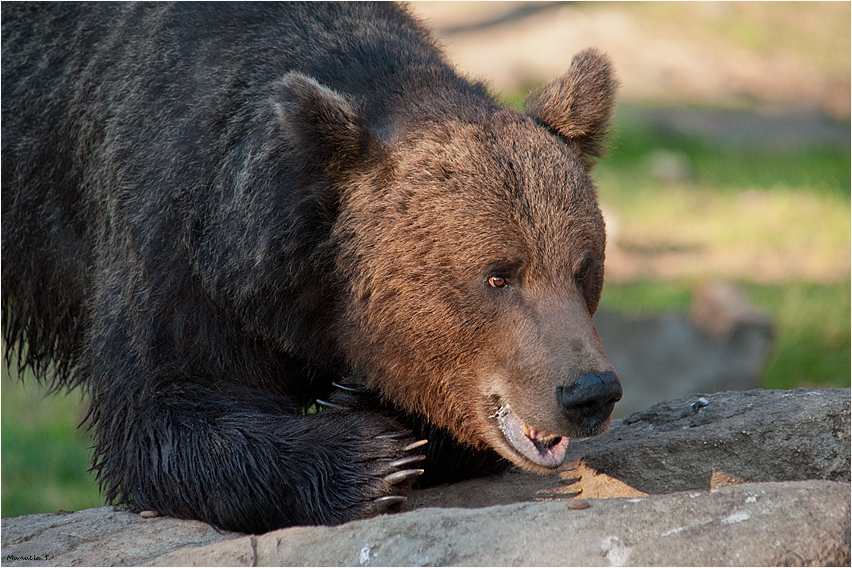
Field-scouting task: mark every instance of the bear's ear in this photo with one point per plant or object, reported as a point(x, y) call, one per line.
point(578, 105)
point(323, 126)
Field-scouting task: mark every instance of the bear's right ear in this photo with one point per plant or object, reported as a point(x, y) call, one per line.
point(322, 125)
point(577, 106)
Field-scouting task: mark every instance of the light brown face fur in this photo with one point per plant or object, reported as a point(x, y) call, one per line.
point(476, 266)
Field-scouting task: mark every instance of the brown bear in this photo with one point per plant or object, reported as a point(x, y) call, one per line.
point(217, 216)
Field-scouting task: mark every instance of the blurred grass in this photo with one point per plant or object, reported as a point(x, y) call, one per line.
point(792, 207)
point(812, 324)
point(747, 210)
point(44, 456)
point(775, 221)
point(812, 327)
point(725, 167)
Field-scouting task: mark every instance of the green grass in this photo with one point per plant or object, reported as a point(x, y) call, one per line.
point(812, 330)
point(740, 206)
point(44, 456)
point(645, 297)
point(733, 168)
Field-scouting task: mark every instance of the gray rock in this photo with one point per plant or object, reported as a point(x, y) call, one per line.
point(99, 537)
point(733, 478)
point(799, 523)
point(697, 442)
point(757, 435)
point(721, 309)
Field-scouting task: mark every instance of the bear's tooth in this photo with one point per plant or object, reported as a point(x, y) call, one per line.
point(526, 430)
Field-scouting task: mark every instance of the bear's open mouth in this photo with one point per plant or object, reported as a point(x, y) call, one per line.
point(540, 447)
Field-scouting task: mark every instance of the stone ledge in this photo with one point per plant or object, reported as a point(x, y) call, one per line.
point(791, 523)
point(733, 478)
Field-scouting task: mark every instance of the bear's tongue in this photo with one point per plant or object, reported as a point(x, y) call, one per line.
point(540, 447)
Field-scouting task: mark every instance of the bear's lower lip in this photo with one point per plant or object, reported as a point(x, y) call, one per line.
point(539, 447)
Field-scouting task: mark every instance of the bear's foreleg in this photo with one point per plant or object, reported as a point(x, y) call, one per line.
point(242, 461)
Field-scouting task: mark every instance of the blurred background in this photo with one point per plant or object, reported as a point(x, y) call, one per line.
point(726, 193)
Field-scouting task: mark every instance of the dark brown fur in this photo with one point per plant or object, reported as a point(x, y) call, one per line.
point(213, 212)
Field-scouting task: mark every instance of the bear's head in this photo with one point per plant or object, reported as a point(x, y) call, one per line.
point(469, 251)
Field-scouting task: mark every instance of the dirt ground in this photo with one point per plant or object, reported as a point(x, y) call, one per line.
point(740, 54)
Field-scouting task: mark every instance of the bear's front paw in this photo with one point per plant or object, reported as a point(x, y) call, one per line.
point(396, 475)
point(375, 466)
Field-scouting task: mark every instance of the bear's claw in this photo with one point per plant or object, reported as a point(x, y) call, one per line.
point(383, 504)
point(346, 388)
point(330, 404)
point(398, 476)
point(405, 461)
point(415, 445)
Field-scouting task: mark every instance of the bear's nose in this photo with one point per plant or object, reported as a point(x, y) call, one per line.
point(589, 400)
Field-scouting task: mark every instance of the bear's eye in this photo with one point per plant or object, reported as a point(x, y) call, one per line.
point(585, 269)
point(502, 274)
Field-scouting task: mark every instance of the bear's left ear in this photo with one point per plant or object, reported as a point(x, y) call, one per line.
point(578, 105)
point(322, 125)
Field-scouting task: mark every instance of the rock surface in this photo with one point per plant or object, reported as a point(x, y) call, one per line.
point(756, 435)
point(99, 537)
point(732, 478)
point(746, 525)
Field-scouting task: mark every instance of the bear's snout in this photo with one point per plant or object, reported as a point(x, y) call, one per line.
point(588, 401)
